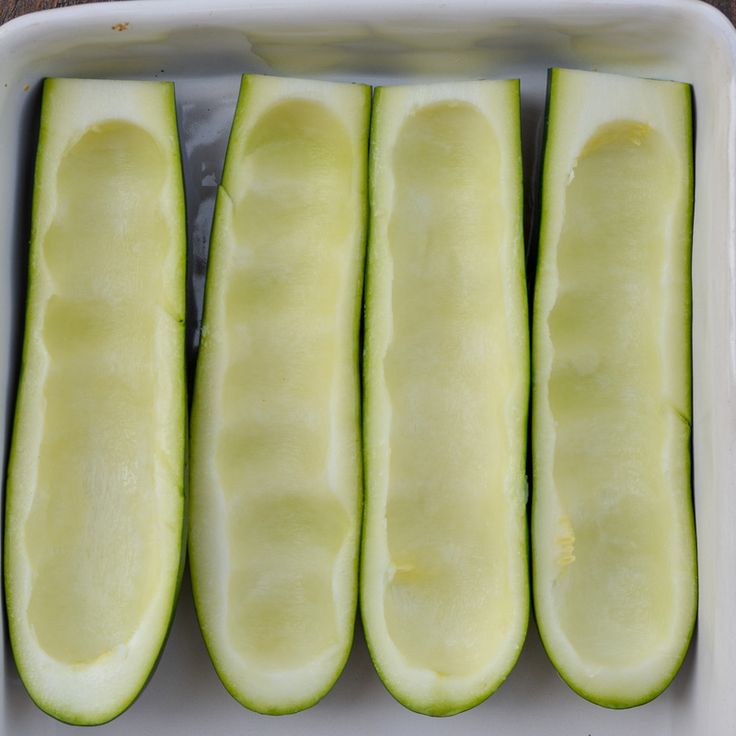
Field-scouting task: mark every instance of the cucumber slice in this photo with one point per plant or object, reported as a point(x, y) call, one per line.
point(612, 522)
point(276, 468)
point(444, 587)
point(95, 497)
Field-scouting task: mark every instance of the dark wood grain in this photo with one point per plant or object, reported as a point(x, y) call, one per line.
point(727, 7)
point(12, 8)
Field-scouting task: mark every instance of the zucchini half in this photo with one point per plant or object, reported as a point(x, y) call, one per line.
point(276, 467)
point(95, 491)
point(613, 538)
point(444, 587)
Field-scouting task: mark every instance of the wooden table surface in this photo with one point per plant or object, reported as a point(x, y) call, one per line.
point(10, 8)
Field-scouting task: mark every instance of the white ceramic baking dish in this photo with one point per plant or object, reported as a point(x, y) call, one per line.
point(204, 45)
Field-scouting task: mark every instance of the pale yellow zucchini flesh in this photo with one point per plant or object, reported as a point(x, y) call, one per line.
point(444, 588)
point(95, 498)
point(276, 468)
point(612, 528)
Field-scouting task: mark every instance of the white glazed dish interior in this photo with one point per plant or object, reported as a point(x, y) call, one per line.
point(204, 47)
